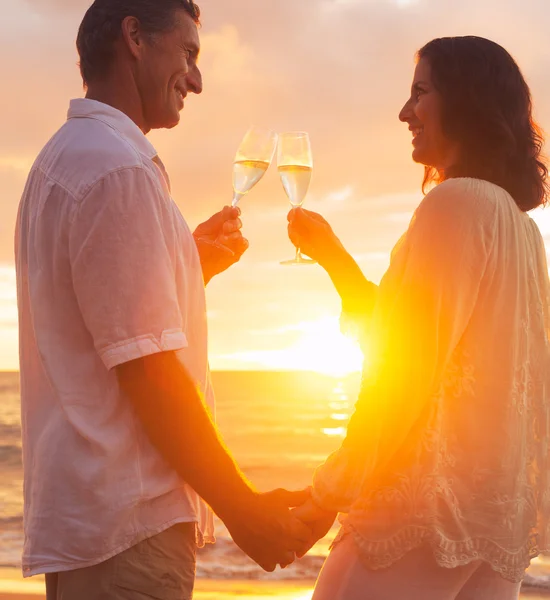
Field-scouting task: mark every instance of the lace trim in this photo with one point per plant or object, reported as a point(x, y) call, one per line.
point(380, 554)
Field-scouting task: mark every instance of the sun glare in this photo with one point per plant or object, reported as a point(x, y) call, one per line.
point(321, 347)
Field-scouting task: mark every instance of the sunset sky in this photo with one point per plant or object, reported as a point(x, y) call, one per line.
point(340, 69)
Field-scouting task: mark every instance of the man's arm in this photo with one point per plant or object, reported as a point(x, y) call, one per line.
point(175, 418)
point(124, 283)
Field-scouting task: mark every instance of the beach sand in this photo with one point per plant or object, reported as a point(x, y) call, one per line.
point(222, 590)
point(14, 587)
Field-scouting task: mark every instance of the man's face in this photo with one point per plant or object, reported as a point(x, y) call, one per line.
point(167, 71)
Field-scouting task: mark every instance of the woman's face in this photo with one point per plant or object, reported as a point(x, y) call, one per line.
point(422, 112)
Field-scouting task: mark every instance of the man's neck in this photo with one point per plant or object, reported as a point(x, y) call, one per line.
point(117, 96)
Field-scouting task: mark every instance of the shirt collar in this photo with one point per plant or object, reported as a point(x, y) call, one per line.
point(84, 108)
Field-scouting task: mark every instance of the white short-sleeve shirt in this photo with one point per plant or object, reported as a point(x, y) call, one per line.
point(107, 272)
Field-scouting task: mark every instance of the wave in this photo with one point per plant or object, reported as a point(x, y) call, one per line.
point(223, 560)
point(11, 541)
point(10, 456)
point(10, 431)
point(11, 523)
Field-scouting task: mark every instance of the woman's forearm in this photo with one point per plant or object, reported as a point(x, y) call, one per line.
point(313, 234)
point(358, 294)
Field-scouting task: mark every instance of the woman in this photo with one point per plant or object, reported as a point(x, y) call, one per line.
point(443, 478)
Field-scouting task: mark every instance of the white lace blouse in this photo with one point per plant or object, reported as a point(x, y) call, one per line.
point(449, 443)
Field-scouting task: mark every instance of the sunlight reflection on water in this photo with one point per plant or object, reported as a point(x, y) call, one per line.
point(338, 405)
point(334, 431)
point(339, 417)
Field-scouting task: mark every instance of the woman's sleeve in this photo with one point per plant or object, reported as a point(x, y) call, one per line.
point(357, 312)
point(425, 301)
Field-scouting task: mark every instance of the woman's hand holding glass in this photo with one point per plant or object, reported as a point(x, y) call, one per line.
point(310, 232)
point(307, 230)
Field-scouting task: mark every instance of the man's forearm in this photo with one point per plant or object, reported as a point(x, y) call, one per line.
point(177, 422)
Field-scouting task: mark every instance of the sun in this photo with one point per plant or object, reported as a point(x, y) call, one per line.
point(324, 349)
point(320, 347)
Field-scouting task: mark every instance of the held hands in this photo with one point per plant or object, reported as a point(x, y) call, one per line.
point(271, 534)
point(311, 233)
point(266, 530)
point(220, 242)
point(317, 519)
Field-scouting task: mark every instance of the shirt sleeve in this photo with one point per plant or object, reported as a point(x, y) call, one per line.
point(425, 301)
point(357, 312)
point(122, 255)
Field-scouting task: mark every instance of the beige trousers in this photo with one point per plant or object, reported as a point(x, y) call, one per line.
point(160, 568)
point(415, 577)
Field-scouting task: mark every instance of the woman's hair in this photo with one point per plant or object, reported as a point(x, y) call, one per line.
point(487, 110)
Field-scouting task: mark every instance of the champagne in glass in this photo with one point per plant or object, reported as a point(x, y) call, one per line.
point(252, 160)
point(296, 180)
point(295, 166)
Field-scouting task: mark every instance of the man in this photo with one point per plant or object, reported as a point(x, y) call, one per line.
point(119, 446)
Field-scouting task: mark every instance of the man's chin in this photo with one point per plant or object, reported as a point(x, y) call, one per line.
point(169, 122)
point(174, 120)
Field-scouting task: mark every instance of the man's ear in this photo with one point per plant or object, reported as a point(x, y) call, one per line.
point(133, 36)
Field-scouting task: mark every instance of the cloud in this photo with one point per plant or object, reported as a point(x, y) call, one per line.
point(56, 8)
point(342, 75)
point(340, 70)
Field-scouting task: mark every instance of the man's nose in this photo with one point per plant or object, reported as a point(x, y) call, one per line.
point(194, 80)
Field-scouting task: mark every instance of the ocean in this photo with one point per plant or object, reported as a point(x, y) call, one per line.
point(279, 427)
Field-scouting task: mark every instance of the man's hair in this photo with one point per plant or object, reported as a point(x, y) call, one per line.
point(487, 109)
point(101, 27)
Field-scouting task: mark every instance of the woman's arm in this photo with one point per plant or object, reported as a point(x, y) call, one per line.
point(425, 302)
point(311, 233)
point(358, 294)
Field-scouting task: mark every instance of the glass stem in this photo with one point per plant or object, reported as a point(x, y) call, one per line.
point(298, 255)
point(236, 199)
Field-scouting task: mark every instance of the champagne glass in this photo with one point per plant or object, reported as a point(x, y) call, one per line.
point(295, 165)
point(252, 160)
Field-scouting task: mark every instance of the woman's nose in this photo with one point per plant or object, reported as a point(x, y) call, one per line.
point(406, 112)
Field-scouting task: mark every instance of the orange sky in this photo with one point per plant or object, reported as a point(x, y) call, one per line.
point(339, 69)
